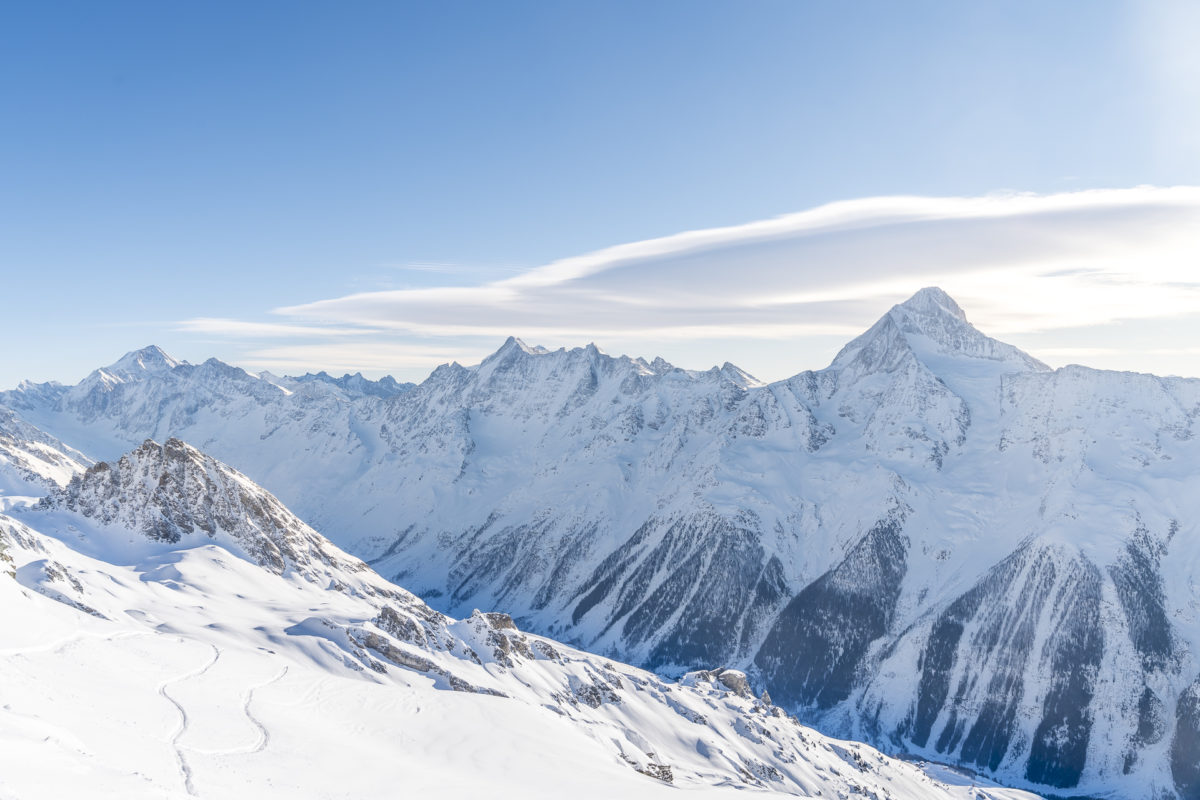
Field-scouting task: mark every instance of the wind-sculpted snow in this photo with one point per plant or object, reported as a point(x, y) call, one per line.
point(238, 661)
point(936, 542)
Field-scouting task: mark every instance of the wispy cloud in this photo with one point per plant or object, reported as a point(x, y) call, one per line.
point(1018, 263)
point(377, 357)
point(236, 328)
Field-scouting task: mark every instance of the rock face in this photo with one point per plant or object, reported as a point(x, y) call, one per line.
point(936, 542)
point(817, 647)
point(973, 687)
point(173, 494)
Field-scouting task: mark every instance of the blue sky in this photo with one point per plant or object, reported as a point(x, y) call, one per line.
point(179, 173)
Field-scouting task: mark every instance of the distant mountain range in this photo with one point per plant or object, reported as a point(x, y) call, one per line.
point(936, 544)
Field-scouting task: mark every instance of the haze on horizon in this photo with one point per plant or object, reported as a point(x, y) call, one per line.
point(295, 187)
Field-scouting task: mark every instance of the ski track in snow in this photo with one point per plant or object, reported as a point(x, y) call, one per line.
point(264, 735)
point(185, 771)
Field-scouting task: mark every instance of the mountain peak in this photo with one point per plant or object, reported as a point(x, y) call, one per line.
point(148, 359)
point(513, 343)
point(928, 326)
point(176, 495)
point(513, 348)
point(738, 376)
point(932, 300)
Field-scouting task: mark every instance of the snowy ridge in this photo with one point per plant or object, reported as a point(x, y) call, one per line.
point(31, 460)
point(173, 493)
point(910, 546)
point(253, 664)
point(353, 385)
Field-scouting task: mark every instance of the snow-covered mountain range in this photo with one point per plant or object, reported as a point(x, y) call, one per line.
point(172, 630)
point(936, 544)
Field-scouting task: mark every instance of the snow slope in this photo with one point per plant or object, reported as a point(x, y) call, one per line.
point(171, 630)
point(31, 460)
point(936, 543)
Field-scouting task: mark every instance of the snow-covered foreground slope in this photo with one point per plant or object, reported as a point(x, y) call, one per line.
point(936, 543)
point(158, 641)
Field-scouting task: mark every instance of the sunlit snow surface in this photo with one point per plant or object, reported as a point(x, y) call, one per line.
point(155, 670)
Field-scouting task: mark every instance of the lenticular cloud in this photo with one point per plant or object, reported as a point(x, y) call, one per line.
point(1094, 256)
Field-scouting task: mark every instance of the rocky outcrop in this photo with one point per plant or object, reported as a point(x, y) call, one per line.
point(175, 495)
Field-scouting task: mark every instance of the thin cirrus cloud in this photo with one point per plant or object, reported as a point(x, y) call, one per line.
point(1021, 265)
point(267, 330)
point(378, 357)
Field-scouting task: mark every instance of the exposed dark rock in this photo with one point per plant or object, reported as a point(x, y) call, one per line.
point(594, 692)
point(660, 772)
point(401, 626)
point(421, 664)
point(1152, 726)
point(1004, 611)
point(1059, 751)
point(1140, 588)
point(6, 560)
point(812, 654)
point(500, 621)
point(605, 577)
point(547, 650)
point(734, 681)
point(1185, 747)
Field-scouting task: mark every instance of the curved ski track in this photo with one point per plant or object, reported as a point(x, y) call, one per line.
point(184, 770)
